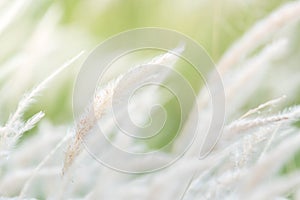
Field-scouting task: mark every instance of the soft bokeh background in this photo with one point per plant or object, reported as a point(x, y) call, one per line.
point(38, 36)
point(44, 34)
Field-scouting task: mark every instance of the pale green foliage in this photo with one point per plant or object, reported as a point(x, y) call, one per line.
point(261, 79)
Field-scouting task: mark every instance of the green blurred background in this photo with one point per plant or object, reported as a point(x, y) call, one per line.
point(83, 24)
point(47, 33)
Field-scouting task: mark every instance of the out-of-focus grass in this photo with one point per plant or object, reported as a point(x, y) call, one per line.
point(65, 27)
point(213, 24)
